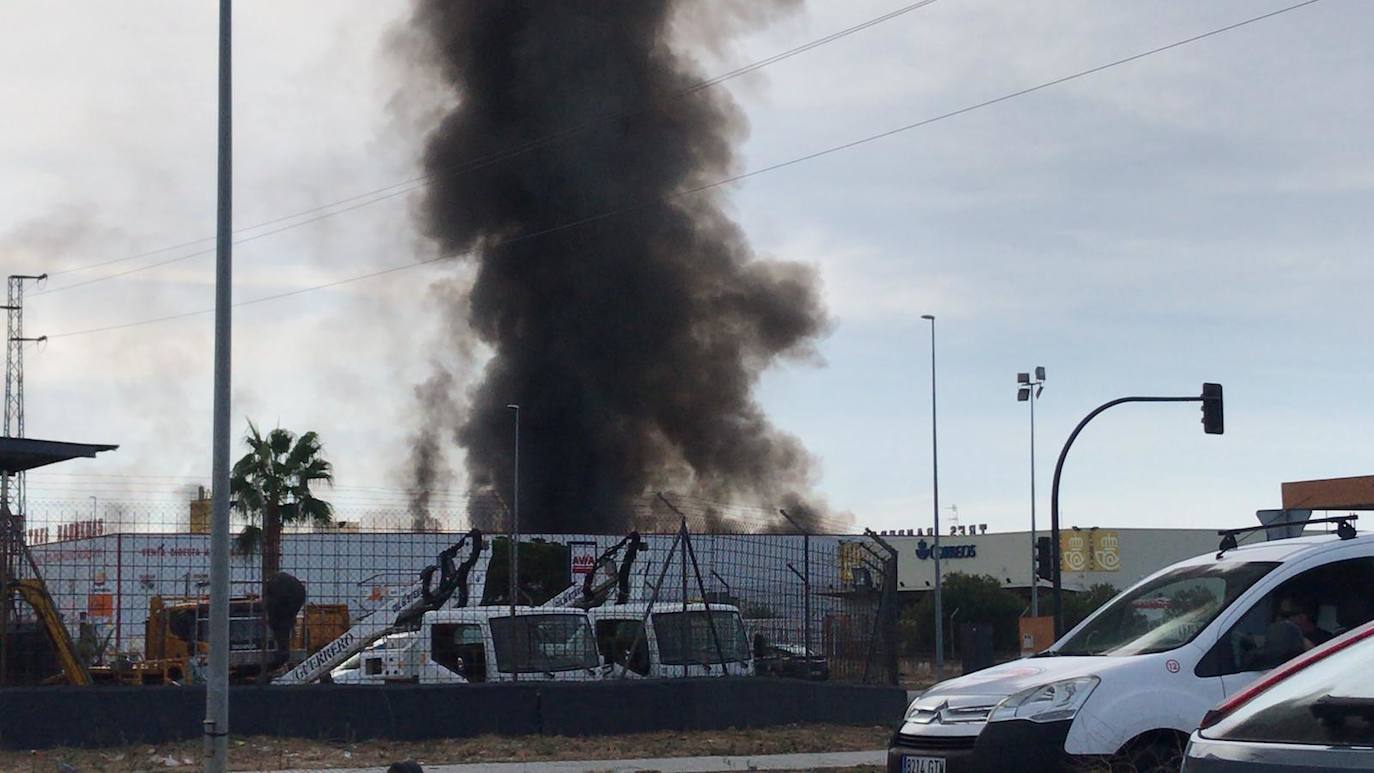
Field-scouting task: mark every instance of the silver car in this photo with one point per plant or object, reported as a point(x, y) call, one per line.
point(1314, 713)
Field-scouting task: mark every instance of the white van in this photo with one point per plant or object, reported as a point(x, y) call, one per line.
point(1135, 678)
point(480, 644)
point(675, 640)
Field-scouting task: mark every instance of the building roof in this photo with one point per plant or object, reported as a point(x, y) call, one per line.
point(18, 454)
point(1356, 493)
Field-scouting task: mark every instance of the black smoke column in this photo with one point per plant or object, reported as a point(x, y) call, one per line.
point(633, 342)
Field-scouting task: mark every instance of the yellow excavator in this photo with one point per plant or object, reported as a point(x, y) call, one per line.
point(35, 594)
point(22, 652)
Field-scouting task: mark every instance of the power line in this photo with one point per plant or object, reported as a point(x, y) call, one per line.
point(711, 185)
point(387, 192)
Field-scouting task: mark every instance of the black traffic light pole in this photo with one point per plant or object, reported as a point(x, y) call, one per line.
point(1211, 400)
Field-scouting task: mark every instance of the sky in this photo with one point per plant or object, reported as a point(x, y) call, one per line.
point(1196, 215)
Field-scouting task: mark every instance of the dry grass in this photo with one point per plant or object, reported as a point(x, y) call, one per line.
point(267, 753)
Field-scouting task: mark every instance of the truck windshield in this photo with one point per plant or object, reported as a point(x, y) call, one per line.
point(1166, 612)
point(685, 637)
point(543, 643)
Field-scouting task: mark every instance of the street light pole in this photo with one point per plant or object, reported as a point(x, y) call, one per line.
point(514, 557)
point(1028, 390)
point(216, 725)
point(935, 508)
point(1035, 578)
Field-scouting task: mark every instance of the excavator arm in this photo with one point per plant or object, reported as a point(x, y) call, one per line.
point(35, 594)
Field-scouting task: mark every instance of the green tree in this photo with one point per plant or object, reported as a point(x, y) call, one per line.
point(271, 486)
point(1077, 606)
point(977, 599)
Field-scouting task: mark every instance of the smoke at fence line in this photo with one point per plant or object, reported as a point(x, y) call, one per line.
point(632, 342)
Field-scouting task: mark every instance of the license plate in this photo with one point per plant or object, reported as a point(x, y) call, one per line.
point(923, 765)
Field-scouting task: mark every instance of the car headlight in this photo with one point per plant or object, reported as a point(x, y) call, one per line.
point(914, 714)
point(910, 710)
point(1048, 702)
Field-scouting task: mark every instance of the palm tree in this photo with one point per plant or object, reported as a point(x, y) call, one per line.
point(271, 486)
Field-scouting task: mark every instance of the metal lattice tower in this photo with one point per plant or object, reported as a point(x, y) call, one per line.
point(14, 372)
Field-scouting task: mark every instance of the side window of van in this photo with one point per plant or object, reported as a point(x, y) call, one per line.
point(1303, 612)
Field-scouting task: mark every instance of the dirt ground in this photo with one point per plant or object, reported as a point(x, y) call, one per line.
point(267, 753)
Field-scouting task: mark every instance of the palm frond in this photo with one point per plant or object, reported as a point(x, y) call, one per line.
point(279, 440)
point(253, 438)
point(247, 500)
point(307, 449)
point(248, 540)
point(317, 511)
point(316, 470)
point(288, 511)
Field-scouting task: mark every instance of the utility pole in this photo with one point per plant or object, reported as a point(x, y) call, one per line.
point(12, 519)
point(14, 375)
point(216, 725)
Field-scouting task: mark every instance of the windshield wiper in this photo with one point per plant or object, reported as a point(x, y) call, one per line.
point(1047, 654)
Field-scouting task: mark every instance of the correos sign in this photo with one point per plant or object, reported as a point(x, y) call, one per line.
point(925, 550)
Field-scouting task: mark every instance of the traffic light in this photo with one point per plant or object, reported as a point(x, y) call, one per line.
point(1213, 419)
point(1044, 559)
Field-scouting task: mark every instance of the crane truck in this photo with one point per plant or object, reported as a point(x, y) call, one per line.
point(553, 641)
point(402, 612)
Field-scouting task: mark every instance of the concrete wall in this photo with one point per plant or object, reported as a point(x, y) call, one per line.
point(42, 718)
point(1007, 556)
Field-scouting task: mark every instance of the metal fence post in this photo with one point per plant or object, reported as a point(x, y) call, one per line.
point(806, 600)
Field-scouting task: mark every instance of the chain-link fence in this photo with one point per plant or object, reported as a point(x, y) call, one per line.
point(128, 583)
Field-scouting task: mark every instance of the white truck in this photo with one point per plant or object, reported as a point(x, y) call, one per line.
point(672, 640)
point(481, 644)
point(590, 630)
point(1129, 683)
point(402, 612)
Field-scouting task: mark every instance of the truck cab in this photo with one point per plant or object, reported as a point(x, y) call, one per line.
point(672, 640)
point(480, 644)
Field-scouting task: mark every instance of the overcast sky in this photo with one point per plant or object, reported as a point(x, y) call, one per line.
point(1198, 215)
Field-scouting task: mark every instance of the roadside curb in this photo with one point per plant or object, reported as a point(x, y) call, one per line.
point(663, 764)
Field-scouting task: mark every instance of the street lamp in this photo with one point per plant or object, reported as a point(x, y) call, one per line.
point(935, 509)
point(1029, 391)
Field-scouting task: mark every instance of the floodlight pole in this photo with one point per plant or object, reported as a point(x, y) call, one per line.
point(1035, 578)
point(935, 508)
point(1054, 494)
point(1029, 389)
point(514, 557)
point(216, 725)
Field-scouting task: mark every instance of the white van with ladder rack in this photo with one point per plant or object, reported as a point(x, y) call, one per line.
point(1133, 680)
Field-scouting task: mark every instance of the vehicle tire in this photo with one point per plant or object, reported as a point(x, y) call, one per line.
point(1162, 754)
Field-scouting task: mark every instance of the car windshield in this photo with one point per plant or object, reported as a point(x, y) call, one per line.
point(544, 643)
point(1164, 613)
point(692, 637)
